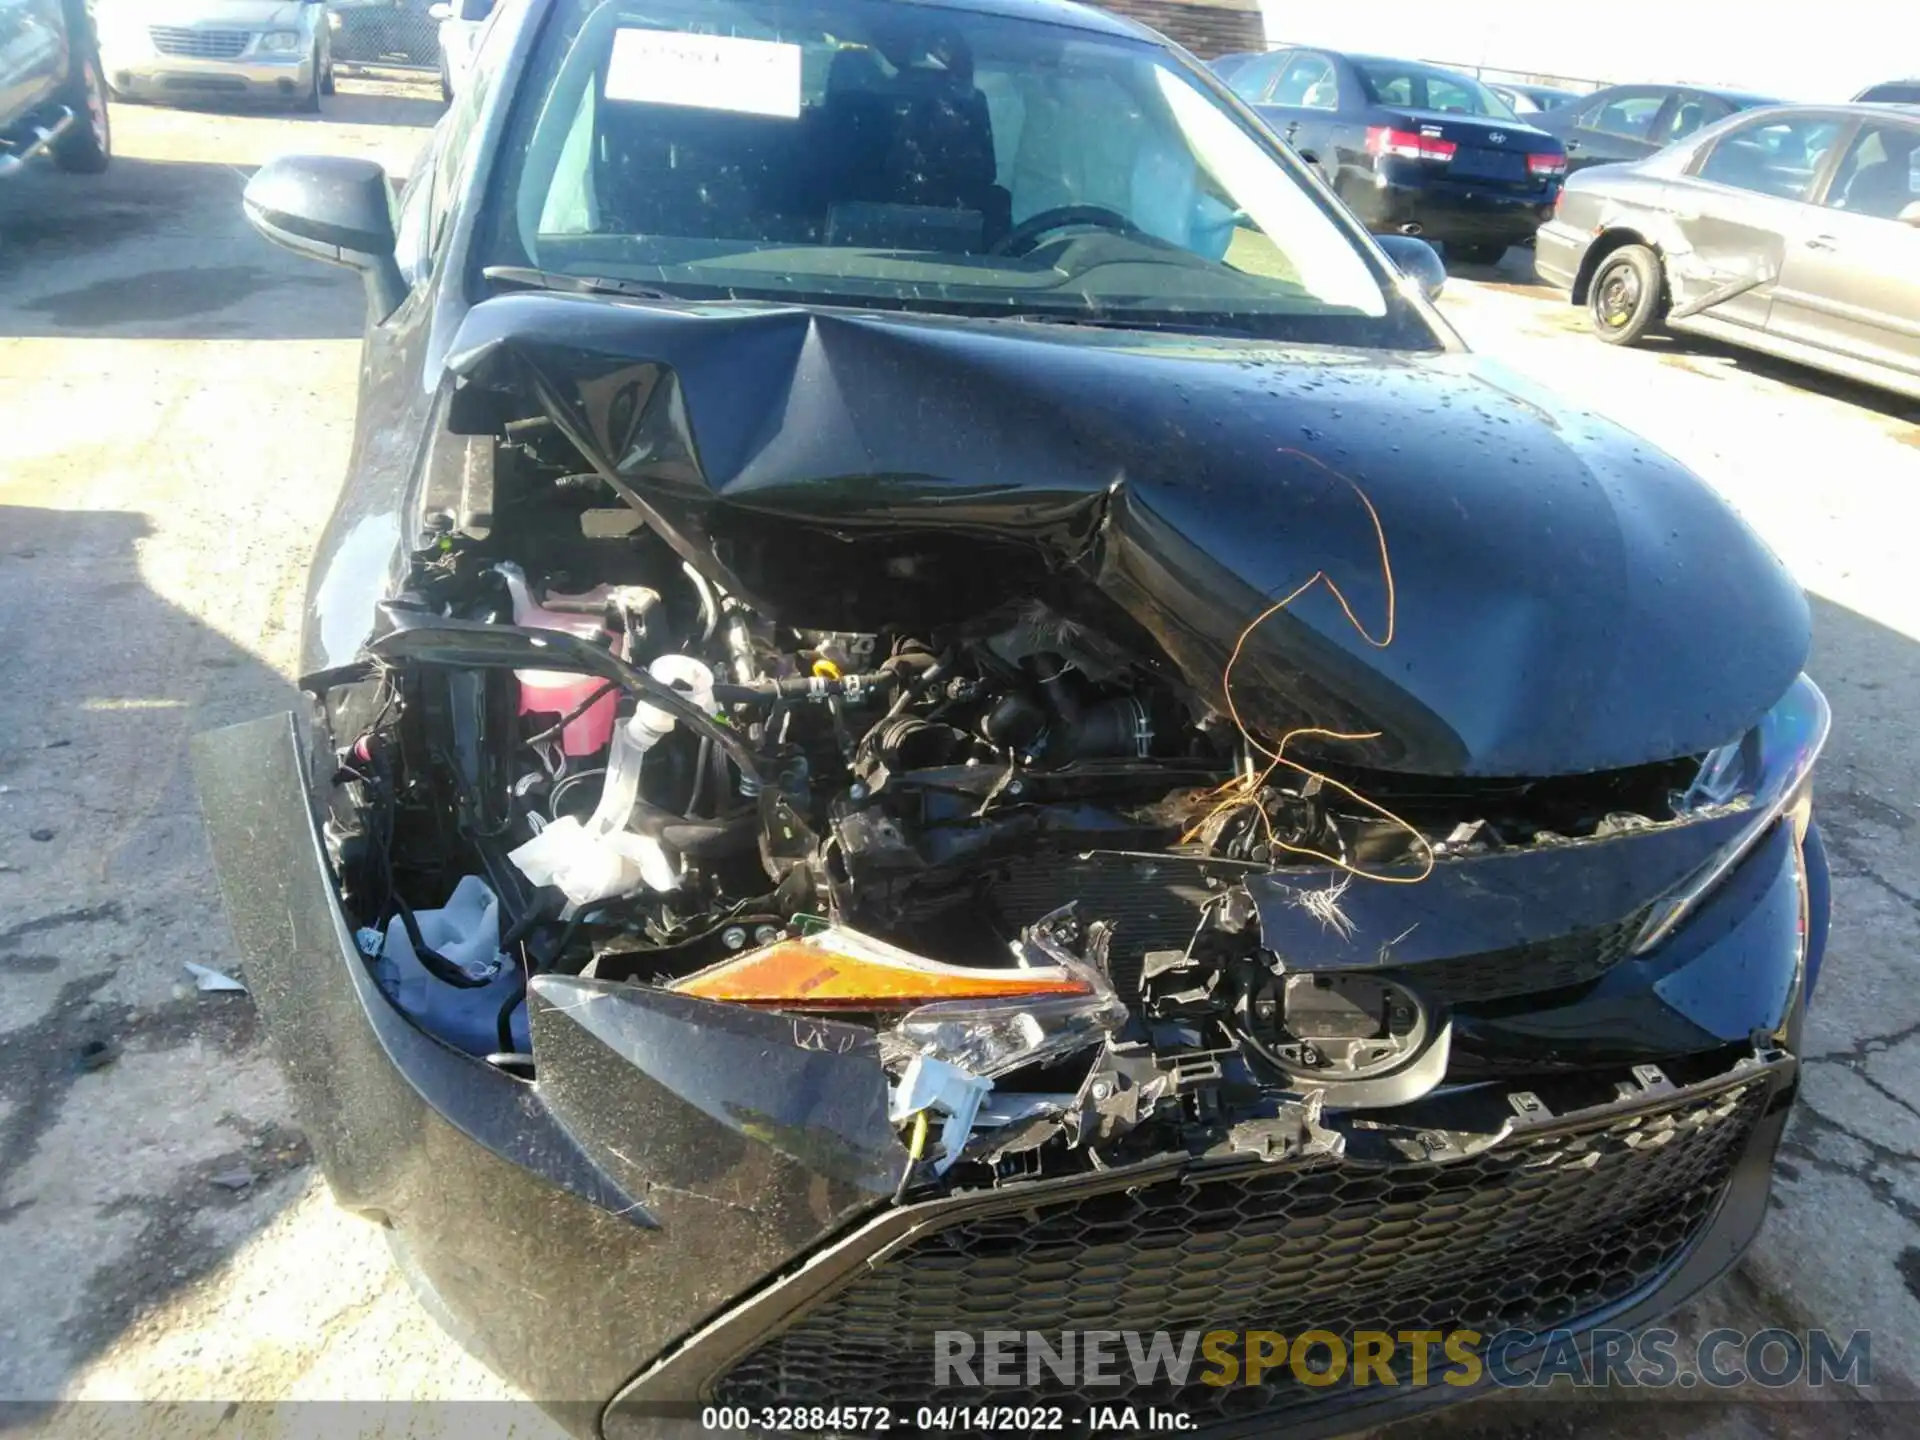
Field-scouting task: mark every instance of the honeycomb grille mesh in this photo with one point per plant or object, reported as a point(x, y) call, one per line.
point(1533, 1234)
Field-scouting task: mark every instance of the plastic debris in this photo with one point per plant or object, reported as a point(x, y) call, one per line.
point(993, 1037)
point(205, 977)
point(944, 1090)
point(1000, 1110)
point(233, 1179)
point(465, 931)
point(588, 867)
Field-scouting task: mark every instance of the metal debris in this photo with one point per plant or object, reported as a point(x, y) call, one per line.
point(207, 978)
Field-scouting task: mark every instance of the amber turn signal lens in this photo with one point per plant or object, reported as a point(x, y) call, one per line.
point(841, 969)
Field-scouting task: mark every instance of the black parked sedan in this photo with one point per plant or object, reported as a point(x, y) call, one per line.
point(1631, 122)
point(1414, 149)
point(938, 703)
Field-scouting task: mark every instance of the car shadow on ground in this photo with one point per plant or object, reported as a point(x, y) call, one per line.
point(384, 96)
point(1704, 356)
point(158, 249)
point(1512, 272)
point(138, 1147)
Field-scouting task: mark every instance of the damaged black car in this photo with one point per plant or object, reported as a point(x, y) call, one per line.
point(938, 701)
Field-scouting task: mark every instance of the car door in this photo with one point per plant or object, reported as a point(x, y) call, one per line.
point(1303, 104)
point(1851, 278)
point(1625, 122)
point(1734, 209)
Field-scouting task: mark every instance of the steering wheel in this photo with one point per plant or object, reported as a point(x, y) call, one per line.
point(1026, 235)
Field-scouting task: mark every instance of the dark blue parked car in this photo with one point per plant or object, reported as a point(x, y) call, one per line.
point(1414, 149)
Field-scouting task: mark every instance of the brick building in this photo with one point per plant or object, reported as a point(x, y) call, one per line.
point(1206, 27)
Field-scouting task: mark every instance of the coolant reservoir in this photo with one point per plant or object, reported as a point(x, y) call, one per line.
point(560, 692)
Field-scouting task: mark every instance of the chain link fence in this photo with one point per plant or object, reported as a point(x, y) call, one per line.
point(385, 32)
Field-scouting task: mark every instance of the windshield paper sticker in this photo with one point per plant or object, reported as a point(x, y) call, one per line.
point(706, 72)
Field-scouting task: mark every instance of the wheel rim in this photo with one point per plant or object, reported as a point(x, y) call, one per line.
point(96, 104)
point(1617, 297)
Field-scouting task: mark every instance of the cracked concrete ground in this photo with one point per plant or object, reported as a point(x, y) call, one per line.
point(176, 397)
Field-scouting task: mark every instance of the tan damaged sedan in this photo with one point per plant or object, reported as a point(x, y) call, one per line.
point(1794, 230)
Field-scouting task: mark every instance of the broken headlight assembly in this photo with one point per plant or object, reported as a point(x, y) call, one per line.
point(1771, 769)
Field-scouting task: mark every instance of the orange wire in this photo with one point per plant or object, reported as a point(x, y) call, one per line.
point(1243, 790)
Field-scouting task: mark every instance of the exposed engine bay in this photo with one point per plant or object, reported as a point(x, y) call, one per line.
point(1089, 915)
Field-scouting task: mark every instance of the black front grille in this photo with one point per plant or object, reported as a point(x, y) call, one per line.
point(1155, 902)
point(1533, 1234)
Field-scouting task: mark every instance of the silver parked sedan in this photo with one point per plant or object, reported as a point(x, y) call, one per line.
point(1794, 230)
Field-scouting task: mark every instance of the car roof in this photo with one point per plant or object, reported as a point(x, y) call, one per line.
point(1745, 99)
point(1864, 109)
point(1396, 60)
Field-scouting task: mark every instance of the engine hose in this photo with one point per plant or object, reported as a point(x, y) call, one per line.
point(503, 1023)
point(431, 960)
point(439, 640)
point(803, 687)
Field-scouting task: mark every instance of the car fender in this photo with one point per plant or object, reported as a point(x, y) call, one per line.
point(1623, 223)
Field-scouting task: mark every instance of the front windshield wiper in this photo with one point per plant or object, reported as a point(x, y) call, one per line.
point(1069, 317)
point(1185, 325)
point(527, 278)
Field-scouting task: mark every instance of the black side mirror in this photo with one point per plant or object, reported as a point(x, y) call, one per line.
point(1418, 261)
point(334, 208)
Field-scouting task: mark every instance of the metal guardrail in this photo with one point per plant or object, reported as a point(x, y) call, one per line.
point(1497, 74)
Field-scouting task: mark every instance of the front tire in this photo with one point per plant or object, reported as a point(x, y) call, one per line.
point(326, 79)
point(87, 146)
point(1623, 302)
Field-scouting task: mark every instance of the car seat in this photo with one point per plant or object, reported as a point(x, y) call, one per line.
point(1884, 189)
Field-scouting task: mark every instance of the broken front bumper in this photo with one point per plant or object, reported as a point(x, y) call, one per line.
point(692, 1203)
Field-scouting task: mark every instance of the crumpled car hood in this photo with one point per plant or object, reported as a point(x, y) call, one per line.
point(1560, 596)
